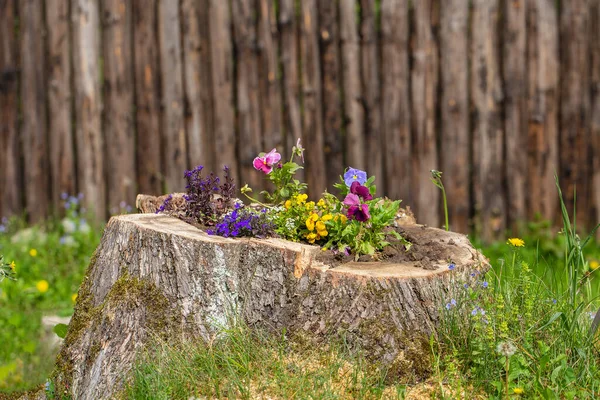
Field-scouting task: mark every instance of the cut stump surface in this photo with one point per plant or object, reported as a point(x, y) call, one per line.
point(154, 275)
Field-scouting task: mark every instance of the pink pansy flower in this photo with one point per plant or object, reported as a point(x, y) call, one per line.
point(356, 210)
point(266, 162)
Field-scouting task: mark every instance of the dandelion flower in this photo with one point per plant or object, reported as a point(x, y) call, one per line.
point(518, 390)
point(516, 242)
point(33, 252)
point(42, 286)
point(507, 349)
point(12, 265)
point(74, 297)
point(594, 265)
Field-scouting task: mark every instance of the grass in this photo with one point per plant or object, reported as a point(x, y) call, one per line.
point(538, 298)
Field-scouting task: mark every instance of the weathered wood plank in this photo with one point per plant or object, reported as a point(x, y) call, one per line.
point(288, 33)
point(88, 105)
point(353, 108)
point(542, 110)
point(333, 138)
point(515, 109)
point(173, 123)
point(33, 96)
point(395, 99)
point(221, 57)
point(312, 95)
point(10, 154)
point(424, 101)
point(595, 117)
point(575, 155)
point(60, 117)
point(247, 93)
point(196, 66)
point(147, 97)
point(455, 142)
point(371, 89)
point(269, 77)
point(488, 132)
point(118, 102)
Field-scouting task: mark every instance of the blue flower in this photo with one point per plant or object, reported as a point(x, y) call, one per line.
point(466, 286)
point(485, 284)
point(451, 304)
point(451, 266)
point(474, 312)
point(354, 175)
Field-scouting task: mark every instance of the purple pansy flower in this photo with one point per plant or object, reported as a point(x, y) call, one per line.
point(354, 175)
point(361, 191)
point(356, 210)
point(266, 162)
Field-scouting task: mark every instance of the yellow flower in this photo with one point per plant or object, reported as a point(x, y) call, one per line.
point(12, 265)
point(288, 204)
point(326, 217)
point(516, 242)
point(518, 390)
point(594, 265)
point(74, 297)
point(310, 205)
point(33, 252)
point(310, 224)
point(311, 237)
point(321, 203)
point(321, 226)
point(343, 218)
point(323, 233)
point(301, 198)
point(42, 286)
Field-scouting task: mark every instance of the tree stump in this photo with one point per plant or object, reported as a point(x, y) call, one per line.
point(157, 275)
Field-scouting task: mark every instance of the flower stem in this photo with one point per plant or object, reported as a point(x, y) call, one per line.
point(256, 201)
point(445, 205)
point(506, 380)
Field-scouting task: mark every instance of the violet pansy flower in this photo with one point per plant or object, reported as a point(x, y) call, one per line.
point(356, 210)
point(354, 175)
point(265, 162)
point(361, 191)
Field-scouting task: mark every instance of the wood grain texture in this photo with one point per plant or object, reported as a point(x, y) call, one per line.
point(183, 284)
point(351, 85)
point(173, 124)
point(455, 128)
point(371, 90)
point(147, 97)
point(119, 129)
point(269, 76)
point(514, 70)
point(543, 91)
point(488, 129)
point(221, 56)
point(197, 85)
point(395, 100)
point(331, 81)
point(575, 150)
point(11, 201)
point(36, 175)
point(312, 127)
point(88, 105)
point(595, 117)
point(60, 96)
point(424, 102)
point(248, 112)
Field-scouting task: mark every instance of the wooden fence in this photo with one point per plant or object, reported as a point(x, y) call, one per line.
point(114, 97)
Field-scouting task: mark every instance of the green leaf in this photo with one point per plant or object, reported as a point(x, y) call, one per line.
point(61, 330)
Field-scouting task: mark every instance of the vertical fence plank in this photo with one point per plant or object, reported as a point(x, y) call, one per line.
point(353, 109)
point(196, 64)
point(542, 97)
point(33, 97)
point(221, 57)
point(289, 67)
point(424, 100)
point(515, 110)
point(333, 138)
point(369, 66)
point(488, 135)
point(247, 94)
point(173, 124)
point(88, 105)
point(595, 117)
point(147, 97)
point(118, 103)
point(395, 99)
point(269, 77)
point(455, 110)
point(60, 134)
point(10, 178)
point(312, 95)
point(575, 106)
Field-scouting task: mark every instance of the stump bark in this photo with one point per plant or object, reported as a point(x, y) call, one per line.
point(154, 275)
